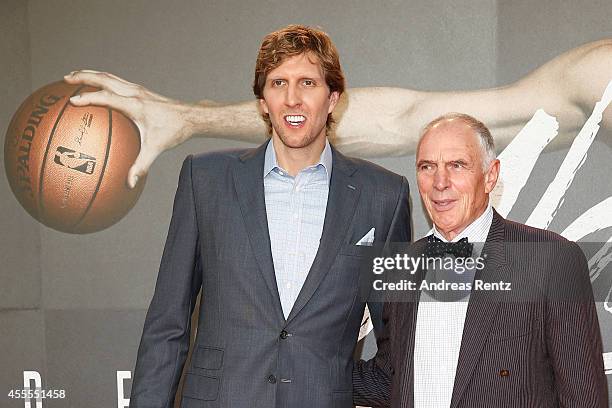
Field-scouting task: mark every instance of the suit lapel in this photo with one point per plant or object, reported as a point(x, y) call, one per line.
point(482, 308)
point(342, 201)
point(408, 321)
point(248, 180)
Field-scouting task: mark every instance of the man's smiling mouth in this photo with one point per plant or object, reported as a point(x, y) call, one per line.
point(295, 120)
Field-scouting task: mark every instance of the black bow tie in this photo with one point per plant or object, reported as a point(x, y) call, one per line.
point(437, 248)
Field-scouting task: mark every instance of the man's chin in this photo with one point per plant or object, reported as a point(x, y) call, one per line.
point(295, 142)
point(444, 224)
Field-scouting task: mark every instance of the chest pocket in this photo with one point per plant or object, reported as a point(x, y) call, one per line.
point(514, 320)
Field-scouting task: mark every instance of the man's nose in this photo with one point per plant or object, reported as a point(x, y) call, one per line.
point(441, 178)
point(293, 96)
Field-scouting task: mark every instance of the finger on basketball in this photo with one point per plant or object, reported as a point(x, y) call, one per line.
point(141, 166)
point(100, 80)
point(103, 98)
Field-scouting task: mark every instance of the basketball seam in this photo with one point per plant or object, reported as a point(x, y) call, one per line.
point(41, 209)
point(95, 193)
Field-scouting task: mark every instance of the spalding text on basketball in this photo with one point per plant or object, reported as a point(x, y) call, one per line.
point(27, 136)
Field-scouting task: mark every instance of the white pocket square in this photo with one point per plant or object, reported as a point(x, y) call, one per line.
point(368, 239)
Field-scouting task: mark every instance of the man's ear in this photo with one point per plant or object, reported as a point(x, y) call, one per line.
point(491, 176)
point(334, 97)
point(263, 106)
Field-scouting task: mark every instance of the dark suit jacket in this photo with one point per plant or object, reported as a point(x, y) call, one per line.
point(246, 353)
point(538, 345)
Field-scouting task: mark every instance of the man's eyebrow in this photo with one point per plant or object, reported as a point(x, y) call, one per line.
point(420, 162)
point(299, 76)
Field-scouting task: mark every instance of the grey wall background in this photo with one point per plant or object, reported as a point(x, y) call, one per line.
point(72, 307)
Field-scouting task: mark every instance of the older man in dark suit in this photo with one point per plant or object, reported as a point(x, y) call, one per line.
point(273, 237)
point(531, 341)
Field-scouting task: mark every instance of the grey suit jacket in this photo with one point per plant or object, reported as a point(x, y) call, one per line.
point(246, 353)
point(538, 345)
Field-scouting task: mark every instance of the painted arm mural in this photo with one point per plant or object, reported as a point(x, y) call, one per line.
point(371, 121)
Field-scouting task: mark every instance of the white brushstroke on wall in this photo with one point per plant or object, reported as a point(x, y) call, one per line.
point(553, 198)
point(519, 158)
point(592, 220)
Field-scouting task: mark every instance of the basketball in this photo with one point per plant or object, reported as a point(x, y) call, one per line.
point(68, 165)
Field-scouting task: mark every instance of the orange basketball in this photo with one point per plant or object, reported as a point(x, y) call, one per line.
point(68, 165)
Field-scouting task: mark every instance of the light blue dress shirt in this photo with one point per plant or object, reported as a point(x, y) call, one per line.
point(295, 208)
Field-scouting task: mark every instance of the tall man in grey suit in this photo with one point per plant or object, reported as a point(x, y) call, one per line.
point(269, 235)
point(531, 341)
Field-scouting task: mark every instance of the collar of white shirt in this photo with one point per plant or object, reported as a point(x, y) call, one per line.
point(325, 160)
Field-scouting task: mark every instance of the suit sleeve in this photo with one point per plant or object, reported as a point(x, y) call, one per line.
point(573, 338)
point(400, 224)
point(165, 338)
point(399, 232)
point(372, 378)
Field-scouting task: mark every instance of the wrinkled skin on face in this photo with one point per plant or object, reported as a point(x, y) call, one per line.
point(453, 186)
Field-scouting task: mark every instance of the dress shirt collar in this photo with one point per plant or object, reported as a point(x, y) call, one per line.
point(270, 162)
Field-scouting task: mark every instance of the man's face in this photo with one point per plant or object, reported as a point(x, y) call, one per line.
point(452, 183)
point(298, 101)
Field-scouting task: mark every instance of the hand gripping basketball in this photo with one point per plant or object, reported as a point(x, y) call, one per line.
point(67, 165)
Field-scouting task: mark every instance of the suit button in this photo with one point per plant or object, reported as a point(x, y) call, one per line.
point(504, 373)
point(284, 334)
point(272, 379)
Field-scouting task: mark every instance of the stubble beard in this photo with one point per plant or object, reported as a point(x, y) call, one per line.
point(305, 141)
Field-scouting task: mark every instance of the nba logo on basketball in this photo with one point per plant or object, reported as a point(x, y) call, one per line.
point(75, 160)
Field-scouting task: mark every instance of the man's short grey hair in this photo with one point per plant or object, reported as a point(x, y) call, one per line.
point(484, 135)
